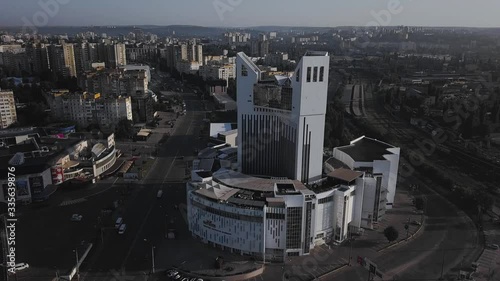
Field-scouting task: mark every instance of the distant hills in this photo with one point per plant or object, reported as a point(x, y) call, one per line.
point(200, 31)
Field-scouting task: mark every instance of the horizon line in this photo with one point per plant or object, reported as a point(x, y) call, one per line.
point(248, 27)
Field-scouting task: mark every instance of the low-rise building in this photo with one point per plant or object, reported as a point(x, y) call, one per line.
point(272, 218)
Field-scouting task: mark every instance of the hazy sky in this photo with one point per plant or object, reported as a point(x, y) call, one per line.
point(240, 13)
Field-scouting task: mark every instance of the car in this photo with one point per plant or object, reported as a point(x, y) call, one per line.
point(76, 217)
point(493, 246)
point(416, 223)
point(21, 266)
point(122, 229)
point(118, 222)
point(176, 277)
point(171, 273)
point(159, 194)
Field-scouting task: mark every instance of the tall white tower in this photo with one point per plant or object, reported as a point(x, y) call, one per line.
point(281, 122)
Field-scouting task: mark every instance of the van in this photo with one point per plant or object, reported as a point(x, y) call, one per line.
point(119, 222)
point(122, 229)
point(159, 194)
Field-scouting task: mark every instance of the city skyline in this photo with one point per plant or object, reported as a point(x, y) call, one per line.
point(240, 13)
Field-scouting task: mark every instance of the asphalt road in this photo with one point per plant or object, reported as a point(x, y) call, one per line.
point(145, 214)
point(446, 230)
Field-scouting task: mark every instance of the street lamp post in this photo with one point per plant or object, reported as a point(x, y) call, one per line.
point(351, 240)
point(152, 257)
point(442, 267)
point(77, 264)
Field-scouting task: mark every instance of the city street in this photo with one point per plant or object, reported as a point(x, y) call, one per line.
point(57, 237)
point(447, 230)
point(146, 215)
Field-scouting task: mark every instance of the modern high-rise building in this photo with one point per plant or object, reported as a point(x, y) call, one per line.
point(116, 55)
point(260, 46)
point(276, 197)
point(56, 59)
point(69, 59)
point(281, 125)
point(8, 114)
point(38, 58)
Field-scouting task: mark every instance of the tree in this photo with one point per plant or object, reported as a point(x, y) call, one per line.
point(123, 129)
point(484, 201)
point(419, 203)
point(391, 233)
point(219, 262)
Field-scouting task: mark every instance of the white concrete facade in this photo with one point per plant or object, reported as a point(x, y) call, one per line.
point(296, 123)
point(8, 113)
point(382, 160)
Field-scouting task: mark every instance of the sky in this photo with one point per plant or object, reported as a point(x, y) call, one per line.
point(247, 13)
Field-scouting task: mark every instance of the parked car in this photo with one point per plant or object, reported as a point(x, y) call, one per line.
point(493, 246)
point(21, 266)
point(122, 229)
point(118, 222)
point(171, 273)
point(76, 217)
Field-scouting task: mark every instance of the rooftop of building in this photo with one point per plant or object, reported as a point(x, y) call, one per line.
point(31, 165)
point(366, 149)
point(336, 164)
point(238, 180)
point(346, 175)
point(223, 98)
point(18, 132)
point(230, 132)
point(316, 54)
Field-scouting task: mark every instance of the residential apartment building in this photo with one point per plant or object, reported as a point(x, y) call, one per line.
point(69, 59)
point(115, 82)
point(218, 72)
point(8, 114)
point(85, 109)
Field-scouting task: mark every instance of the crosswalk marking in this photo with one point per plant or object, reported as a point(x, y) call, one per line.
point(72, 202)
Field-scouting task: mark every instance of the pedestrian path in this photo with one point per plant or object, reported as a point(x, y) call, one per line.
point(488, 258)
point(322, 259)
point(489, 266)
point(398, 217)
point(72, 202)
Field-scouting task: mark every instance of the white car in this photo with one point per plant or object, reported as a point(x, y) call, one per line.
point(172, 273)
point(493, 246)
point(21, 266)
point(76, 217)
point(122, 229)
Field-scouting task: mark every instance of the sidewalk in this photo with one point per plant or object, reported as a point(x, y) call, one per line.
point(400, 215)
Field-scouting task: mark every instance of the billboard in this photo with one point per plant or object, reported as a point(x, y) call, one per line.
point(22, 189)
point(36, 184)
point(57, 175)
